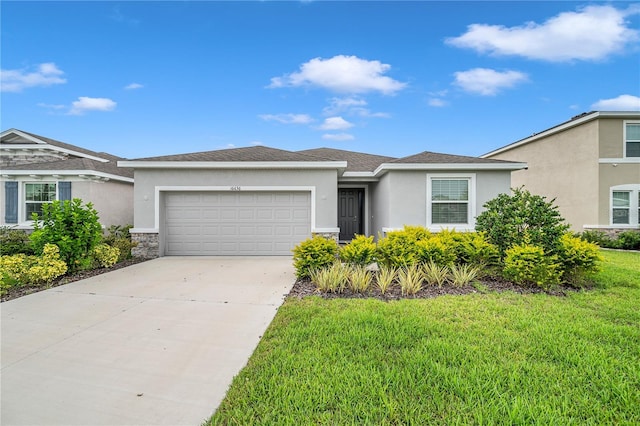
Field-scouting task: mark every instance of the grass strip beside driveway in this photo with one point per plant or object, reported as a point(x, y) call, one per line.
point(480, 359)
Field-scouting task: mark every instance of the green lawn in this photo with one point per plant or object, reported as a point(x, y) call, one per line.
point(477, 359)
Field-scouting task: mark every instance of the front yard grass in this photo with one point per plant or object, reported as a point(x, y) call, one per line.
point(476, 359)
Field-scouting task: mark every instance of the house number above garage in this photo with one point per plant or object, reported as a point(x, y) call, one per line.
point(235, 188)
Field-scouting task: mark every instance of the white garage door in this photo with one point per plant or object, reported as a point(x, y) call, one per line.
point(236, 223)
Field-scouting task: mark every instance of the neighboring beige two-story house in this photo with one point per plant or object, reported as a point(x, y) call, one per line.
point(35, 170)
point(589, 164)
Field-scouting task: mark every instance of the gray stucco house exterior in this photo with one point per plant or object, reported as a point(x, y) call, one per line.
point(264, 201)
point(35, 170)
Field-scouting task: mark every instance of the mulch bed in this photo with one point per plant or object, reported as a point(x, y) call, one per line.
point(15, 292)
point(305, 288)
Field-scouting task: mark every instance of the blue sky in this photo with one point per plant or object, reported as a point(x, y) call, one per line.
point(140, 79)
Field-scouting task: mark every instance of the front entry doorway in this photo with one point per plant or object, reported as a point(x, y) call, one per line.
point(350, 212)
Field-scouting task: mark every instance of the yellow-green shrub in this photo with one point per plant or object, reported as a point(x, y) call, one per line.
point(360, 251)
point(312, 254)
point(528, 264)
point(105, 255)
point(20, 269)
point(435, 250)
point(398, 248)
point(579, 259)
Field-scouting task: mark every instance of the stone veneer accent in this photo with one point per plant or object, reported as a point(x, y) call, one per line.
point(147, 245)
point(611, 232)
point(328, 235)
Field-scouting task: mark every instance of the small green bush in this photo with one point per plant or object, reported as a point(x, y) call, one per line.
point(360, 251)
point(597, 237)
point(628, 240)
point(14, 241)
point(509, 219)
point(105, 255)
point(528, 264)
point(398, 248)
point(474, 248)
point(579, 259)
point(313, 254)
point(119, 237)
point(21, 269)
point(436, 250)
point(74, 228)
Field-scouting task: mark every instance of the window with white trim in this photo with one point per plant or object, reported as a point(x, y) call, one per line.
point(625, 205)
point(632, 139)
point(37, 194)
point(450, 200)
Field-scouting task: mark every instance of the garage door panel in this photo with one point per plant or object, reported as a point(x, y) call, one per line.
point(236, 223)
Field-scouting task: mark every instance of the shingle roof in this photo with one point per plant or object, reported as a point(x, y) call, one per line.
point(254, 153)
point(75, 162)
point(427, 157)
point(356, 161)
point(78, 164)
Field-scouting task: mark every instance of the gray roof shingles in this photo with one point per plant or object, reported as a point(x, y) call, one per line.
point(76, 163)
point(428, 157)
point(255, 153)
point(356, 161)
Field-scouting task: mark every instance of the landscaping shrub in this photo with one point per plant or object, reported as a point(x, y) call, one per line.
point(359, 279)
point(435, 274)
point(330, 279)
point(579, 259)
point(14, 241)
point(461, 275)
point(312, 254)
point(527, 264)
point(628, 240)
point(120, 237)
point(360, 251)
point(474, 248)
point(21, 269)
point(435, 250)
point(385, 278)
point(509, 218)
point(74, 228)
point(105, 255)
point(597, 237)
point(398, 248)
point(410, 279)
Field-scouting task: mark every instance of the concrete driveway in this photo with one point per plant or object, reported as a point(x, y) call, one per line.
point(154, 343)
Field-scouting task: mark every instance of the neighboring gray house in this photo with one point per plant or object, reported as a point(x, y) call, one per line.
point(264, 201)
point(35, 170)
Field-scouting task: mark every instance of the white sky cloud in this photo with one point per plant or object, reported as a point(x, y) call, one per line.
point(338, 137)
point(85, 104)
point(51, 106)
point(487, 82)
point(621, 103)
point(133, 86)
point(590, 33)
point(335, 123)
point(351, 106)
point(46, 74)
point(287, 118)
point(342, 74)
point(437, 102)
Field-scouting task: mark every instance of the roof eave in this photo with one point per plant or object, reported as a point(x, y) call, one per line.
point(66, 173)
point(233, 164)
point(563, 127)
point(44, 145)
point(383, 168)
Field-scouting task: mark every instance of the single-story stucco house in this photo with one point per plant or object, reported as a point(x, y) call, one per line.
point(36, 170)
point(264, 201)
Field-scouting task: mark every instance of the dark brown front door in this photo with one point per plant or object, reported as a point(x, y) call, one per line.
point(350, 212)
